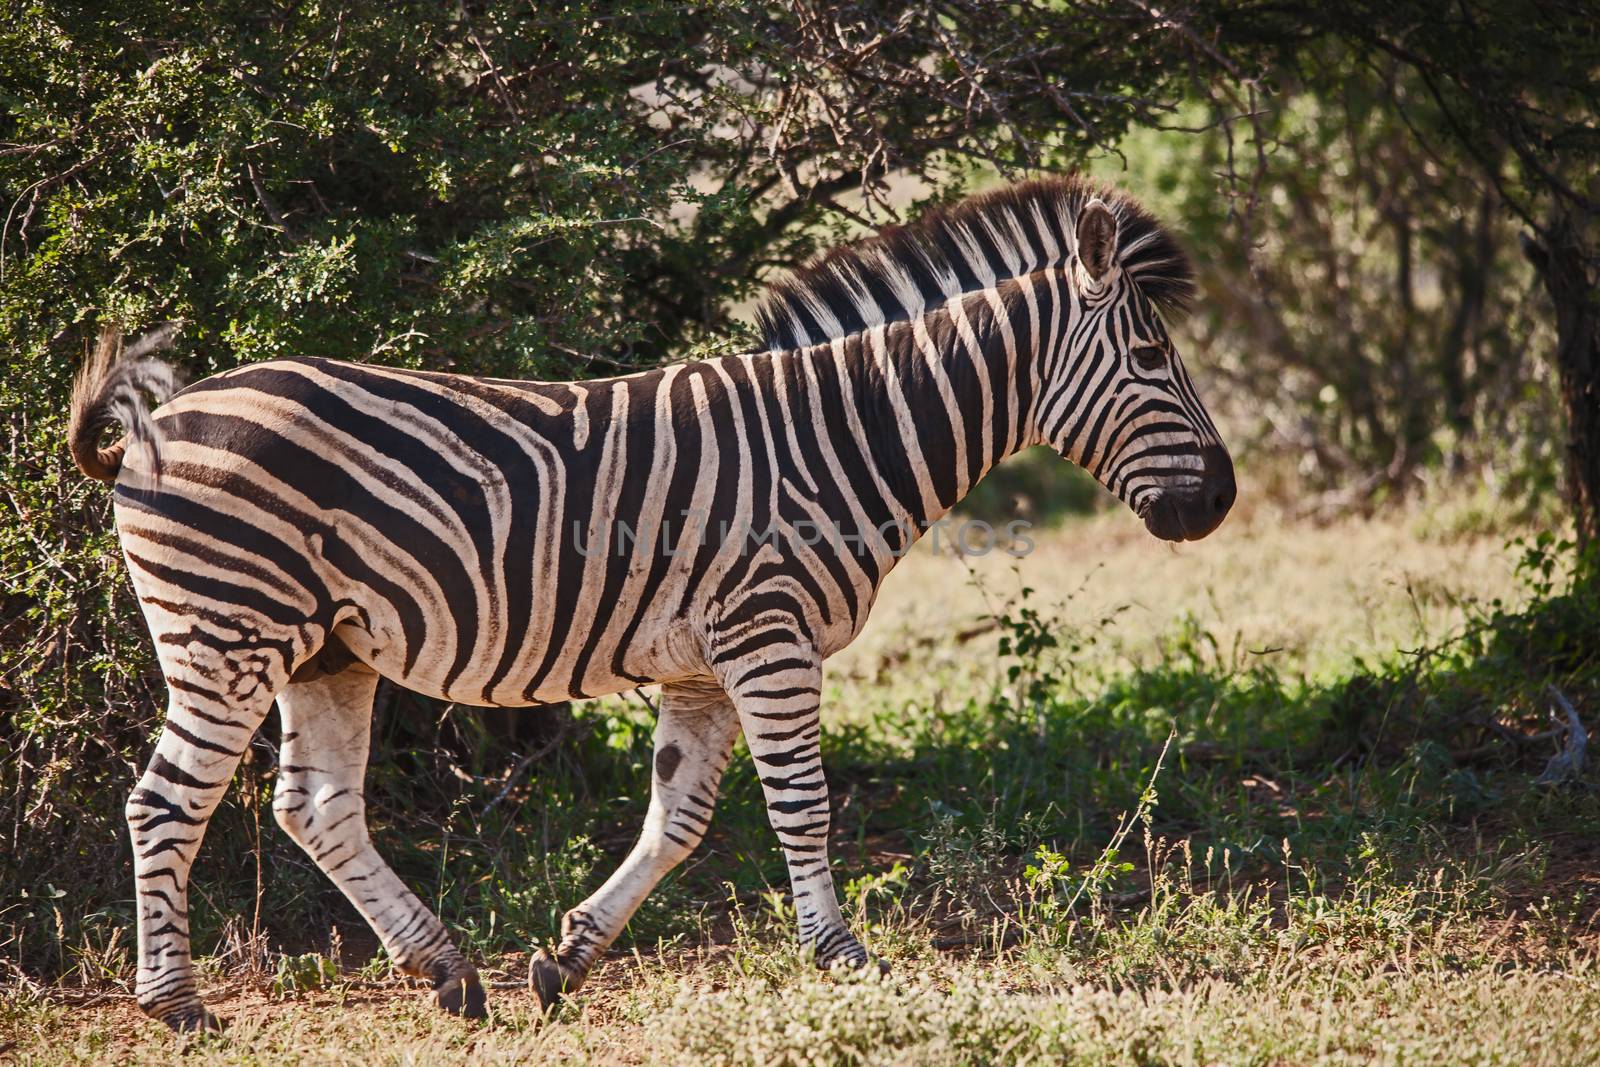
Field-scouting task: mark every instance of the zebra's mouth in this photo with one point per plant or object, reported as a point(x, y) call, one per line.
point(1190, 511)
point(1163, 519)
point(1185, 516)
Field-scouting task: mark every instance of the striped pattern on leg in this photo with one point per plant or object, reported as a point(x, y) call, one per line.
point(693, 741)
point(327, 723)
point(167, 814)
point(777, 691)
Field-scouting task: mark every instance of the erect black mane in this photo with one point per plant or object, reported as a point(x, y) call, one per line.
point(971, 245)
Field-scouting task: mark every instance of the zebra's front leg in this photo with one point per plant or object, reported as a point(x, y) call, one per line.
point(778, 694)
point(694, 738)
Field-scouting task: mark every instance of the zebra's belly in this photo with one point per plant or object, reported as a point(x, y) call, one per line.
point(600, 652)
point(530, 672)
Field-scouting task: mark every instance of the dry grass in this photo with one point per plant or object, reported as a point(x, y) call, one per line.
point(1240, 988)
point(1307, 597)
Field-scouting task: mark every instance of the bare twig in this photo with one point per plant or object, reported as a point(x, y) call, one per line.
point(516, 772)
point(278, 219)
point(1566, 765)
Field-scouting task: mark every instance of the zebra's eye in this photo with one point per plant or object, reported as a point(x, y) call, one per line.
point(1149, 357)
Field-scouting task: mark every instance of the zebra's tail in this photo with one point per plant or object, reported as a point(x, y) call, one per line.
point(111, 390)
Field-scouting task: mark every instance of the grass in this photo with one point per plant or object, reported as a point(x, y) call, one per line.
point(1390, 969)
point(1077, 832)
point(1266, 587)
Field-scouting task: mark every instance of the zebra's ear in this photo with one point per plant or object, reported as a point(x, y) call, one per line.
point(1097, 238)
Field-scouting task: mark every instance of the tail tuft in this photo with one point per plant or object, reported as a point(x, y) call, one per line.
point(109, 391)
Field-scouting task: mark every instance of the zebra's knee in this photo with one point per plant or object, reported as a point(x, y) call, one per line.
point(290, 804)
point(673, 844)
point(148, 809)
point(306, 815)
point(134, 810)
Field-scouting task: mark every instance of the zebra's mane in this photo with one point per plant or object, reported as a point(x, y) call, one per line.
point(971, 245)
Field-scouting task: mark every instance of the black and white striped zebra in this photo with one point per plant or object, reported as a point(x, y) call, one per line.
point(296, 530)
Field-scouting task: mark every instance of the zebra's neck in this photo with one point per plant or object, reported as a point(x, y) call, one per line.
point(945, 396)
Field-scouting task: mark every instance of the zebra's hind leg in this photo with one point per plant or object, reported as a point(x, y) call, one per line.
point(327, 724)
point(694, 738)
point(214, 709)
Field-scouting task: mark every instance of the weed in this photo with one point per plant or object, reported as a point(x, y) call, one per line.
point(302, 974)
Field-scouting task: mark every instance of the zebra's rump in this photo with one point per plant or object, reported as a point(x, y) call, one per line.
point(430, 519)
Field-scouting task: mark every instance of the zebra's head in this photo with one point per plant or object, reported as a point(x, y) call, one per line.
point(1115, 397)
point(1084, 270)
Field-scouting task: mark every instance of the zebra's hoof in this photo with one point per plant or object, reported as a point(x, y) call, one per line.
point(462, 994)
point(862, 963)
point(194, 1020)
point(548, 979)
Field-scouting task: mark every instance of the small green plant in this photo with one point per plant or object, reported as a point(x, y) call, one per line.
point(1543, 561)
point(886, 886)
point(303, 974)
point(763, 945)
point(1053, 889)
point(1039, 648)
point(1048, 881)
point(1026, 636)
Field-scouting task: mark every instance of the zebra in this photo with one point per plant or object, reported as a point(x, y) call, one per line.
point(296, 530)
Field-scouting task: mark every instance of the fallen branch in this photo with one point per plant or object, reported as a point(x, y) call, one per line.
point(1566, 765)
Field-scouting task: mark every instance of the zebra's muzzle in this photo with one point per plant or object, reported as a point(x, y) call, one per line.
point(1188, 513)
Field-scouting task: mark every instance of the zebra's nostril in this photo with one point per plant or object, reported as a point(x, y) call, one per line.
point(1219, 475)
